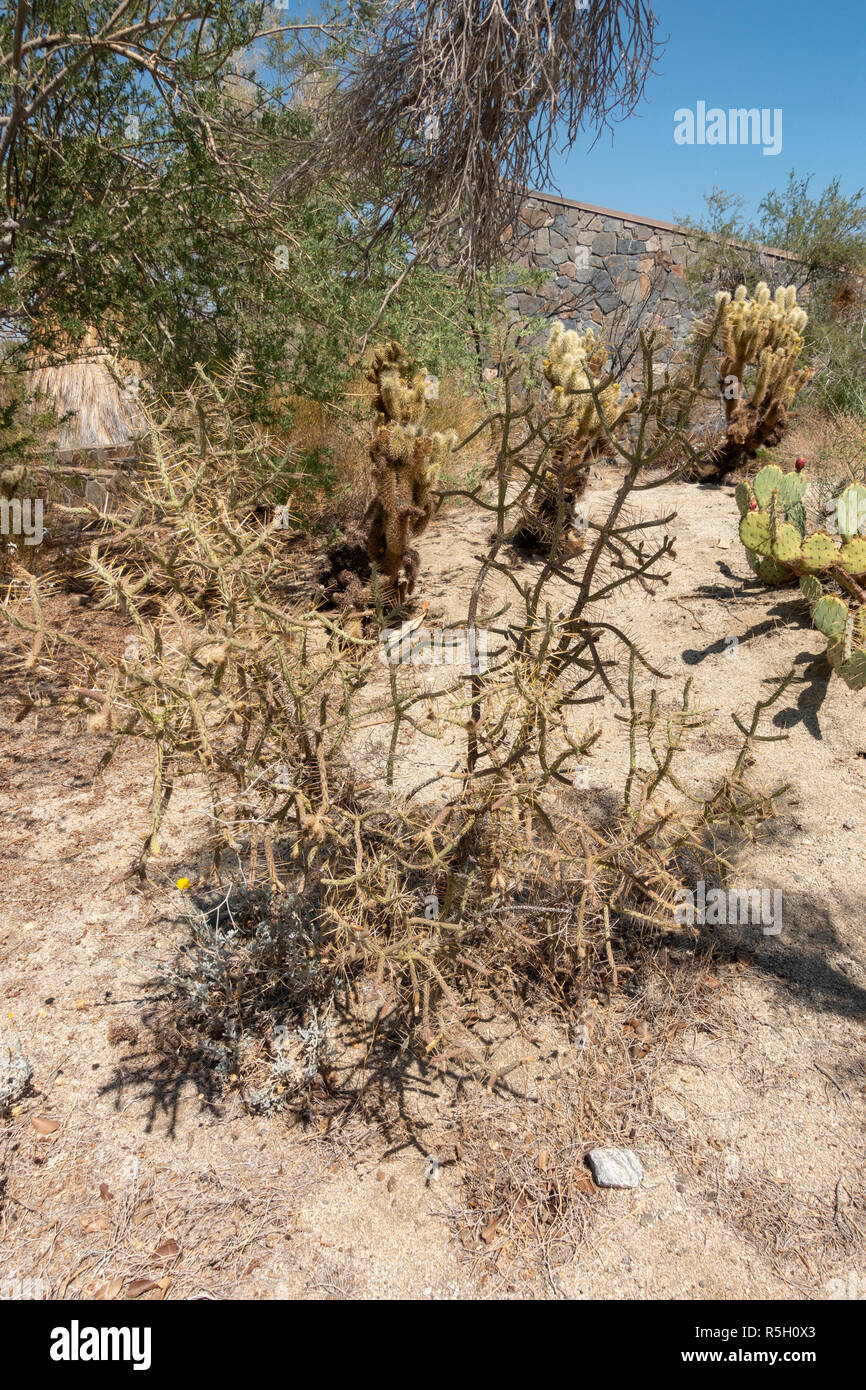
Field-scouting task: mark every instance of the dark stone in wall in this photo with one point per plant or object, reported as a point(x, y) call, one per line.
point(604, 243)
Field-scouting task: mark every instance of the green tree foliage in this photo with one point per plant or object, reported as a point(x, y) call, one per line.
point(143, 149)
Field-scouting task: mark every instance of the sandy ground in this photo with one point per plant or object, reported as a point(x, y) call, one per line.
point(752, 1139)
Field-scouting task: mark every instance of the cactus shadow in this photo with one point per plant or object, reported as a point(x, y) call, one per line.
point(693, 656)
point(798, 961)
point(787, 613)
point(814, 685)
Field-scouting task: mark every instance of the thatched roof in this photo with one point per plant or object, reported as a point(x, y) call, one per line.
point(94, 397)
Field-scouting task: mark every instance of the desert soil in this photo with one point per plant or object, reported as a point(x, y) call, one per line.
point(753, 1137)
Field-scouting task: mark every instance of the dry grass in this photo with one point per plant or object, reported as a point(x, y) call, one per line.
point(93, 408)
point(803, 1235)
point(137, 1230)
point(462, 412)
point(833, 445)
point(528, 1200)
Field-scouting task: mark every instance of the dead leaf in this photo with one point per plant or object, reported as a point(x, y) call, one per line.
point(168, 1249)
point(142, 1212)
point(91, 1224)
point(490, 1229)
point(105, 1192)
point(109, 1290)
point(44, 1126)
point(543, 1161)
point(140, 1286)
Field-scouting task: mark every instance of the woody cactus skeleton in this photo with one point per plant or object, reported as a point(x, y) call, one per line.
point(406, 464)
point(761, 337)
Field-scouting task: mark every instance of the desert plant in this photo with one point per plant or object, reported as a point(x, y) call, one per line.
point(405, 467)
point(268, 707)
point(583, 418)
point(781, 549)
point(406, 464)
point(775, 531)
point(844, 626)
point(761, 339)
point(826, 237)
point(24, 424)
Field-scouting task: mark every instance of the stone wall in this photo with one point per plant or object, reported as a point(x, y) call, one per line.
point(608, 268)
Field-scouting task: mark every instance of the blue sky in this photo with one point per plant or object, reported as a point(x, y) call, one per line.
point(807, 59)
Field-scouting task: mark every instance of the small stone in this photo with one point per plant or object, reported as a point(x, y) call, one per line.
point(615, 1167)
point(604, 243)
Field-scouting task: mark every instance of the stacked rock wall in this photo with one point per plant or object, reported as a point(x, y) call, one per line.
point(608, 268)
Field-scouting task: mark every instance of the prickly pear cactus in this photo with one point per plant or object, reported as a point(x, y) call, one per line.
point(773, 529)
point(844, 626)
point(406, 465)
point(848, 511)
point(773, 524)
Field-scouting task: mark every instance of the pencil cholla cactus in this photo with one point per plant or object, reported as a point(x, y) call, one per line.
point(575, 365)
point(764, 334)
point(406, 465)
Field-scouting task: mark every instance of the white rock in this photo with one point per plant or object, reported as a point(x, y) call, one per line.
point(616, 1167)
